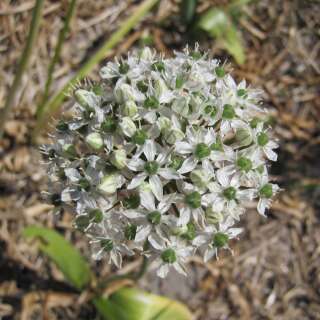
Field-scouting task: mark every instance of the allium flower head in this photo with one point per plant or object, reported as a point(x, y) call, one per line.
point(161, 158)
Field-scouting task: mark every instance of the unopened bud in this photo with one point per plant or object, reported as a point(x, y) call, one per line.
point(94, 140)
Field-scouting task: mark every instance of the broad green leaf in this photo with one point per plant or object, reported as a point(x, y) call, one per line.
point(188, 10)
point(218, 24)
point(214, 21)
point(233, 43)
point(134, 304)
point(66, 257)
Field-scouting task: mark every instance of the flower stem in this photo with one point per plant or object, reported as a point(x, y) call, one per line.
point(135, 276)
point(54, 60)
point(34, 28)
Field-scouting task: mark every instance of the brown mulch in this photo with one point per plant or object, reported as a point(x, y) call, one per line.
point(275, 270)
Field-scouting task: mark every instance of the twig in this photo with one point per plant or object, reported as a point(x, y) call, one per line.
point(34, 28)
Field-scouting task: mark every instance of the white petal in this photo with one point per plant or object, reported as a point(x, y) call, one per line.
point(156, 241)
point(184, 218)
point(166, 202)
point(214, 187)
point(72, 174)
point(262, 206)
point(247, 194)
point(168, 174)
point(142, 233)
point(116, 258)
point(209, 138)
point(147, 200)
point(271, 155)
point(233, 232)
point(208, 254)
point(208, 199)
point(199, 240)
point(207, 166)
point(136, 164)
point(183, 147)
point(224, 127)
point(163, 270)
point(223, 177)
point(149, 150)
point(156, 186)
point(188, 165)
point(137, 180)
point(132, 214)
point(150, 116)
point(198, 216)
point(272, 145)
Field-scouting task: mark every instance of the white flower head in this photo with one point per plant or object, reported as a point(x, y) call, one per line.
point(161, 158)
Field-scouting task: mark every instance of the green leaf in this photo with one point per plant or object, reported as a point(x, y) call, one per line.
point(214, 21)
point(188, 10)
point(233, 43)
point(134, 304)
point(66, 257)
point(218, 24)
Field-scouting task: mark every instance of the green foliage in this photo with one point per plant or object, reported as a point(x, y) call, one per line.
point(66, 257)
point(134, 304)
point(126, 303)
point(57, 51)
point(188, 10)
point(218, 23)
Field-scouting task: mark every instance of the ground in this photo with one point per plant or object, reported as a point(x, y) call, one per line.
point(274, 272)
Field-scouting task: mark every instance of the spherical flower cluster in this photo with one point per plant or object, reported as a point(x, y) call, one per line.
point(161, 158)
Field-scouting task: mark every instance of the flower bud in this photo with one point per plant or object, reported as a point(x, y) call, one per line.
point(94, 140)
point(110, 183)
point(172, 136)
point(119, 158)
point(179, 231)
point(124, 92)
point(199, 178)
point(162, 92)
point(243, 137)
point(212, 216)
point(130, 109)
point(164, 123)
point(127, 126)
point(180, 106)
point(86, 99)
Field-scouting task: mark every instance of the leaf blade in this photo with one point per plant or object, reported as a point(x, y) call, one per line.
point(134, 304)
point(63, 254)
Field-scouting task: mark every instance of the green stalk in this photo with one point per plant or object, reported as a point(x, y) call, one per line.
point(135, 276)
point(54, 60)
point(54, 104)
point(34, 28)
